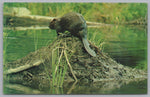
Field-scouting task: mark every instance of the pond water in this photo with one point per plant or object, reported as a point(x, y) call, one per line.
point(104, 87)
point(125, 44)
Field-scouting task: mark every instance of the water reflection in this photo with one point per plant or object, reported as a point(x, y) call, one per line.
point(137, 86)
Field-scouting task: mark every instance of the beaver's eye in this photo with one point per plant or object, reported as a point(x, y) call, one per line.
point(54, 19)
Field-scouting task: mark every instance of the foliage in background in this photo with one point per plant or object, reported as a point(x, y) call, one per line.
point(98, 12)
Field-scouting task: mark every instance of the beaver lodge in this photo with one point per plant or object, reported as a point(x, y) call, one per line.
point(66, 60)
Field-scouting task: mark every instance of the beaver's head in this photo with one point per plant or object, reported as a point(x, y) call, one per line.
point(52, 24)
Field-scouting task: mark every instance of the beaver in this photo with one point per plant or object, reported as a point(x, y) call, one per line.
point(76, 25)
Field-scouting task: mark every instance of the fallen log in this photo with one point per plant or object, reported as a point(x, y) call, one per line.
point(23, 67)
point(28, 20)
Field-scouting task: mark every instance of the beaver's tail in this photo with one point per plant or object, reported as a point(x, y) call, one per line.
point(88, 49)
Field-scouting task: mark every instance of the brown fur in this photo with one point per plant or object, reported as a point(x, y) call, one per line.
point(75, 24)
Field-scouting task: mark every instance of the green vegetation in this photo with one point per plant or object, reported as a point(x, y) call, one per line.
point(124, 41)
point(5, 45)
point(59, 67)
point(98, 12)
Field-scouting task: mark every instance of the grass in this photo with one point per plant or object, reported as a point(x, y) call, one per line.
point(59, 66)
point(142, 65)
point(113, 13)
point(60, 63)
point(35, 40)
point(5, 43)
point(96, 38)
